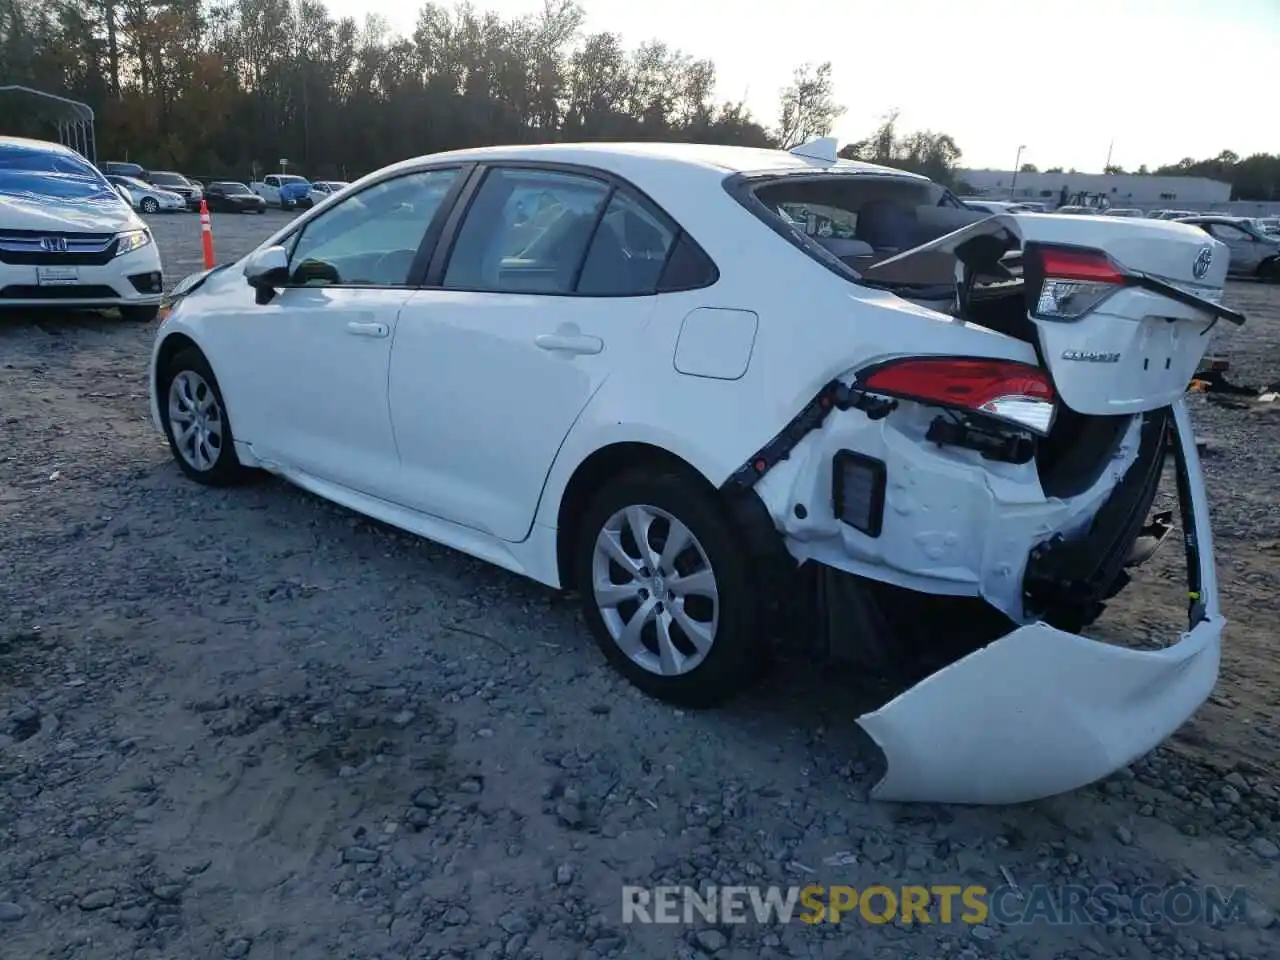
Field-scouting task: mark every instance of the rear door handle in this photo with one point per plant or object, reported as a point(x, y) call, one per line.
point(368, 329)
point(569, 343)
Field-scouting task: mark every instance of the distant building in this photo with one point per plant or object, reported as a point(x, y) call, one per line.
point(1123, 189)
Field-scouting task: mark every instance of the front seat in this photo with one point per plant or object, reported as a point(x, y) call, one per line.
point(887, 226)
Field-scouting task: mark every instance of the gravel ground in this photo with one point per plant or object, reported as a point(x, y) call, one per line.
point(252, 724)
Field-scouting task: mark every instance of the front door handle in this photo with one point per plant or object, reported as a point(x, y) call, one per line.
point(368, 329)
point(569, 343)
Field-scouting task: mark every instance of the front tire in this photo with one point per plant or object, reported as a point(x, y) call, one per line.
point(196, 423)
point(667, 590)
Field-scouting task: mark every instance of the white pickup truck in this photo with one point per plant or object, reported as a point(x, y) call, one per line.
point(283, 190)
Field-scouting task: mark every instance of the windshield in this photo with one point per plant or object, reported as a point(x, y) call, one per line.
point(233, 189)
point(26, 159)
point(133, 183)
point(850, 222)
point(49, 174)
point(170, 180)
point(286, 180)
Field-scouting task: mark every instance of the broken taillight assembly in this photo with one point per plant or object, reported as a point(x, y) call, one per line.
point(1015, 393)
point(1065, 283)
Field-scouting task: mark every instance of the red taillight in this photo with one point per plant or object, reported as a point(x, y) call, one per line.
point(1059, 263)
point(1066, 283)
point(1011, 391)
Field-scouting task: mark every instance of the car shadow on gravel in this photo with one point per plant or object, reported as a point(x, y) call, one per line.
point(795, 691)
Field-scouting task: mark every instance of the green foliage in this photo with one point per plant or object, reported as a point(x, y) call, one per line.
point(933, 154)
point(216, 88)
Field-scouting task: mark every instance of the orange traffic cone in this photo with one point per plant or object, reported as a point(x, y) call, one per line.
point(206, 235)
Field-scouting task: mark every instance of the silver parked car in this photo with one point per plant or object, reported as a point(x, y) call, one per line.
point(1253, 253)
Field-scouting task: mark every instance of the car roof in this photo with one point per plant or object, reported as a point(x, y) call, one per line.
point(46, 145)
point(647, 161)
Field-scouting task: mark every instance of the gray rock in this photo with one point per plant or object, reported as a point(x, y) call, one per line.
point(1124, 834)
point(1264, 848)
point(426, 798)
point(710, 940)
point(1258, 914)
point(168, 892)
point(98, 899)
point(569, 814)
point(11, 912)
point(237, 948)
point(360, 855)
point(876, 852)
point(513, 922)
point(564, 874)
point(455, 917)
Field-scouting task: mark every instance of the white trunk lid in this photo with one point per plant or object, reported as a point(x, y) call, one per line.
point(1139, 347)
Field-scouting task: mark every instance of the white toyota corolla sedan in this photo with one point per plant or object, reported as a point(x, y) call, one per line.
point(683, 380)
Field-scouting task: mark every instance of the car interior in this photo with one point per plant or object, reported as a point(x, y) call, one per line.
point(864, 220)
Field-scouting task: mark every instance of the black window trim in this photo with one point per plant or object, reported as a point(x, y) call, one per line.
point(434, 279)
point(742, 187)
point(426, 247)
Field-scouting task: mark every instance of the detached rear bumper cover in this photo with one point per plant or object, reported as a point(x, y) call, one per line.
point(1040, 711)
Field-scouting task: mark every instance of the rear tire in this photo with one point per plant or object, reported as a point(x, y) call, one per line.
point(149, 205)
point(140, 314)
point(1270, 271)
point(699, 638)
point(196, 423)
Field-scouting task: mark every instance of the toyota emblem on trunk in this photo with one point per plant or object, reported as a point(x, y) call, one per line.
point(53, 244)
point(1203, 261)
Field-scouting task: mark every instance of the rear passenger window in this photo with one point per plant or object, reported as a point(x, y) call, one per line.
point(688, 267)
point(527, 231)
point(627, 252)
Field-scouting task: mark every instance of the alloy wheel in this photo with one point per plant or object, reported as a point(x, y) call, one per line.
point(656, 590)
point(195, 420)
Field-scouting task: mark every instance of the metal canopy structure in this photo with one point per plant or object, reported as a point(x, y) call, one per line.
point(73, 120)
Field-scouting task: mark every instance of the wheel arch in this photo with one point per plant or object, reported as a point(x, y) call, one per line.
point(761, 538)
point(597, 469)
point(173, 344)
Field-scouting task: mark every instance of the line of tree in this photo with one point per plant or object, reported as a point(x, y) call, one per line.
point(215, 86)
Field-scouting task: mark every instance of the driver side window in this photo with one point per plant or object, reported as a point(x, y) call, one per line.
point(372, 237)
point(1226, 233)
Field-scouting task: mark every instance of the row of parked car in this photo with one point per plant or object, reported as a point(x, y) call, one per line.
point(167, 191)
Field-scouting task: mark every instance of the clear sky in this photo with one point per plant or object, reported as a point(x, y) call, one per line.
point(1164, 79)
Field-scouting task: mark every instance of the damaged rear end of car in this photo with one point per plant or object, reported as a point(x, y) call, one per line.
point(966, 499)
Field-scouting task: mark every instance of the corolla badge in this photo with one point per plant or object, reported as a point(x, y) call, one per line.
point(1089, 356)
point(1204, 260)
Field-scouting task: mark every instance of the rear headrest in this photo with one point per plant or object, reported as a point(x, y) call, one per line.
point(843, 247)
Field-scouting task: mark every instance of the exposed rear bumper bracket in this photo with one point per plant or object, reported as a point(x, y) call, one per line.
point(834, 396)
point(1068, 581)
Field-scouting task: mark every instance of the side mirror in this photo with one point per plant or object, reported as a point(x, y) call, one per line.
point(265, 270)
point(267, 267)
